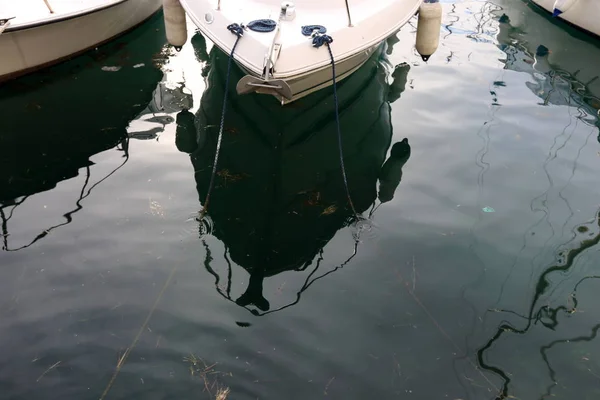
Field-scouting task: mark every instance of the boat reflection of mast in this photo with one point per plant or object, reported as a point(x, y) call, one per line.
point(124, 147)
point(389, 176)
point(565, 262)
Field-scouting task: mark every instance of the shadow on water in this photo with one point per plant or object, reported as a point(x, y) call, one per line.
point(279, 196)
point(58, 118)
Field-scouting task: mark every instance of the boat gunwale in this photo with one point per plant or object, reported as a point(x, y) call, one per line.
point(65, 17)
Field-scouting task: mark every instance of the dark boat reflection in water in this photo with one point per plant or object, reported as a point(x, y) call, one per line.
point(279, 196)
point(60, 117)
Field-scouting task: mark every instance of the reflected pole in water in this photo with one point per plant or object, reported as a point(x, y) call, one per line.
point(567, 257)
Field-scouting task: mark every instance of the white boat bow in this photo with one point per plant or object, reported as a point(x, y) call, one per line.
point(276, 49)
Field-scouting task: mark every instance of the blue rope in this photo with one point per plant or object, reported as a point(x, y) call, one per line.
point(318, 41)
point(308, 30)
point(237, 30)
point(262, 25)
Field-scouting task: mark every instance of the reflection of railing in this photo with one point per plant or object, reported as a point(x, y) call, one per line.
point(546, 315)
point(578, 94)
point(307, 282)
point(67, 216)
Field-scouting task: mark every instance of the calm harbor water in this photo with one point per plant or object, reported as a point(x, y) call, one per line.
point(474, 279)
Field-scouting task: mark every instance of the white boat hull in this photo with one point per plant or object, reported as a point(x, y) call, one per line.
point(27, 47)
point(295, 62)
point(584, 14)
point(307, 83)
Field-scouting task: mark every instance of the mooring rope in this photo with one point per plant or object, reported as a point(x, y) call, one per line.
point(123, 359)
point(319, 39)
point(308, 30)
point(259, 25)
point(262, 25)
point(237, 30)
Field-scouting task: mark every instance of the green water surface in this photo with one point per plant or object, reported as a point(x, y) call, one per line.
point(472, 277)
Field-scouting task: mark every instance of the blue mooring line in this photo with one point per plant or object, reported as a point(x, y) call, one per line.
point(237, 30)
point(320, 39)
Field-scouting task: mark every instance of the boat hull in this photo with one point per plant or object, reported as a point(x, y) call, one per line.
point(583, 14)
point(304, 84)
point(45, 44)
point(289, 56)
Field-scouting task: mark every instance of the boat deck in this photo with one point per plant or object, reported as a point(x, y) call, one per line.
point(372, 22)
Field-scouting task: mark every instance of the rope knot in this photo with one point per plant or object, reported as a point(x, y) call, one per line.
point(236, 29)
point(320, 40)
point(308, 30)
point(262, 25)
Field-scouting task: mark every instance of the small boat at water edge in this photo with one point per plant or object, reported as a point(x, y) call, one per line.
point(38, 33)
point(288, 49)
point(584, 14)
point(56, 120)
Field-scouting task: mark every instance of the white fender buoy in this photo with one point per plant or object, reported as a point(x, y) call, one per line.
point(560, 6)
point(428, 28)
point(175, 25)
point(391, 172)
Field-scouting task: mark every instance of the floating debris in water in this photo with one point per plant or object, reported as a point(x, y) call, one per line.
point(156, 209)
point(111, 69)
point(222, 394)
point(48, 370)
point(227, 176)
point(488, 210)
point(200, 369)
point(329, 210)
point(139, 65)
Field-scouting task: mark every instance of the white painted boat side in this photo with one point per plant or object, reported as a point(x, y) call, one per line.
point(583, 13)
point(372, 22)
point(304, 84)
point(56, 38)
